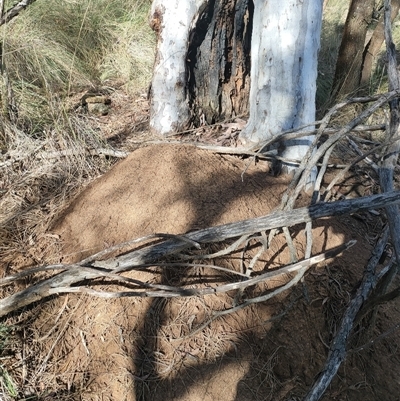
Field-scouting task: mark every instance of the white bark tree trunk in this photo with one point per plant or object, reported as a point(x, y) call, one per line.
point(172, 21)
point(284, 50)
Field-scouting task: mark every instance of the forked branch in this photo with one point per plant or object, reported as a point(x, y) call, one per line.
point(151, 254)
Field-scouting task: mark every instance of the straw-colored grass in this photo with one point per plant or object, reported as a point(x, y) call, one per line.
point(52, 50)
point(56, 47)
point(334, 18)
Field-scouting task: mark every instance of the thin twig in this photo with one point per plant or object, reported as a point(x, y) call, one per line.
point(306, 166)
point(376, 339)
point(14, 11)
point(223, 252)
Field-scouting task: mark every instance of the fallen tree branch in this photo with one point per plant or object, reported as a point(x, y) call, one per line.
point(390, 155)
point(257, 150)
point(14, 11)
point(364, 157)
point(247, 302)
point(237, 229)
point(338, 351)
point(47, 155)
point(386, 172)
point(310, 160)
point(155, 252)
point(169, 291)
point(341, 175)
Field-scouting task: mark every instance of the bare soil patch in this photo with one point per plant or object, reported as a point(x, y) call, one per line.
point(150, 349)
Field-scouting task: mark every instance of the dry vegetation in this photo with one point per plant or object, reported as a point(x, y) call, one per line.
point(53, 53)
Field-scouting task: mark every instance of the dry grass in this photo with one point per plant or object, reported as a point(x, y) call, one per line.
point(333, 21)
point(56, 48)
point(38, 178)
point(50, 51)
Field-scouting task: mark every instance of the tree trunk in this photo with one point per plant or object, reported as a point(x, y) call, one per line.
point(219, 61)
point(202, 67)
point(350, 58)
point(285, 44)
point(204, 62)
point(169, 103)
point(374, 46)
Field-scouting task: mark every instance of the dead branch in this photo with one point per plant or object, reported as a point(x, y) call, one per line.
point(338, 351)
point(341, 174)
point(46, 155)
point(155, 252)
point(390, 155)
point(355, 147)
point(338, 348)
point(14, 11)
point(168, 291)
point(258, 150)
point(276, 219)
point(311, 159)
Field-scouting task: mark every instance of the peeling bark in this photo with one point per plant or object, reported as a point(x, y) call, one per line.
point(202, 69)
point(206, 59)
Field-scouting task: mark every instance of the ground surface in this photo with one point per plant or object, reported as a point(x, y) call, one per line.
point(149, 349)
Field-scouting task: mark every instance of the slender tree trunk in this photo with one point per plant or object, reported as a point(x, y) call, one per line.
point(350, 58)
point(374, 46)
point(285, 44)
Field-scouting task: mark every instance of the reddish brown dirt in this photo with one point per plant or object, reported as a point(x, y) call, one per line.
point(165, 188)
point(138, 349)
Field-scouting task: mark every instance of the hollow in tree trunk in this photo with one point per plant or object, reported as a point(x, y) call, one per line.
point(208, 53)
point(202, 68)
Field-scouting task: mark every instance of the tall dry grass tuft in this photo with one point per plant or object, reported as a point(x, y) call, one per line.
point(59, 46)
point(52, 50)
point(130, 58)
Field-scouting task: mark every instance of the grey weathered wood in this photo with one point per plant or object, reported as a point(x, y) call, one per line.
point(155, 252)
point(337, 352)
point(169, 103)
point(14, 11)
point(391, 154)
point(338, 349)
point(168, 291)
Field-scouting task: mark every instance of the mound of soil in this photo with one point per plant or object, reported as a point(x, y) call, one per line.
point(168, 189)
point(159, 349)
